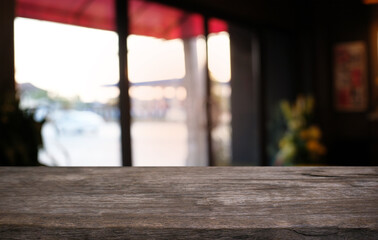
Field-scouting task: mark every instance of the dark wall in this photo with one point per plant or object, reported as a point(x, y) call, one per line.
point(285, 62)
point(297, 57)
point(374, 84)
point(244, 105)
point(347, 134)
point(280, 81)
point(265, 70)
point(247, 99)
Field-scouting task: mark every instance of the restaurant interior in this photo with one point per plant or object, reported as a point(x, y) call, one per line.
point(189, 83)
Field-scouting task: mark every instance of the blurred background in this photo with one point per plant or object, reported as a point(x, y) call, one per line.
point(188, 83)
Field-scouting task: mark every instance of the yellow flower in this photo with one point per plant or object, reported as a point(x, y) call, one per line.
point(312, 145)
point(288, 151)
point(314, 132)
point(303, 134)
point(286, 109)
point(282, 142)
point(296, 123)
point(315, 147)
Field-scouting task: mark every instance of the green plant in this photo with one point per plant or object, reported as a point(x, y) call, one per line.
point(20, 134)
point(301, 142)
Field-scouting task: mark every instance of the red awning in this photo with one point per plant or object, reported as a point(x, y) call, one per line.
point(146, 18)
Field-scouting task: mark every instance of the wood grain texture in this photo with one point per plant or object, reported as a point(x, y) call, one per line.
point(189, 203)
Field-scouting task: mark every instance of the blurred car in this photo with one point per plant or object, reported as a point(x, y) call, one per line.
point(75, 121)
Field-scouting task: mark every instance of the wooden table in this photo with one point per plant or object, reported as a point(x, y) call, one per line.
point(191, 202)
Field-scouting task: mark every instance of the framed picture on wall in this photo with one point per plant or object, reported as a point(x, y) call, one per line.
point(350, 77)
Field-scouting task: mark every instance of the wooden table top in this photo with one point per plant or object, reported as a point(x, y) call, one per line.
point(189, 202)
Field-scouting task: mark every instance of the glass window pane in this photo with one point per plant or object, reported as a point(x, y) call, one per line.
point(220, 75)
point(69, 75)
point(156, 72)
point(167, 76)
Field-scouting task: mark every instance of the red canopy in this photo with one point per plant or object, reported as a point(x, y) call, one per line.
point(146, 18)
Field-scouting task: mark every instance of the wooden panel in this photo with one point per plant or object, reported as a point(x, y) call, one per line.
point(246, 97)
point(193, 203)
point(7, 85)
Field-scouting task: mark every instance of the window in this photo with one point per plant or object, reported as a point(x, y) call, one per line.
point(69, 74)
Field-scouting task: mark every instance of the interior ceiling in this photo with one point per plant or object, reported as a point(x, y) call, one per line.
point(280, 13)
point(146, 18)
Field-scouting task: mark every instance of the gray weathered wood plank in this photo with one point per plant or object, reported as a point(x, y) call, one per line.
point(192, 203)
